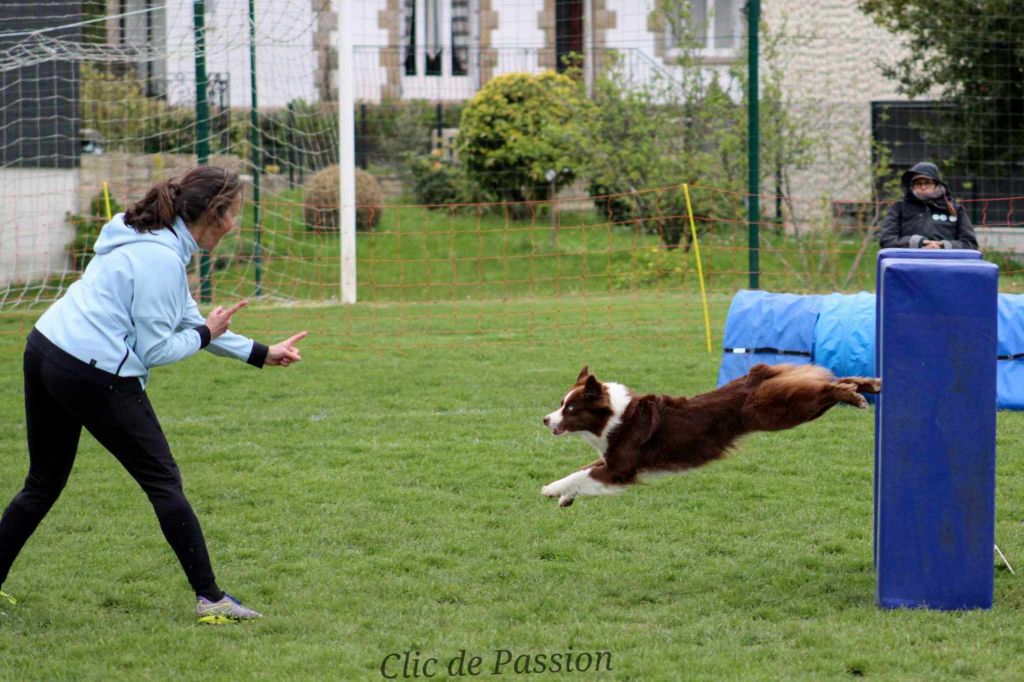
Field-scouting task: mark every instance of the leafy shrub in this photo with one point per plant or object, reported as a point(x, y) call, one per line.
point(322, 201)
point(301, 136)
point(615, 207)
point(435, 180)
point(87, 228)
point(115, 105)
point(651, 265)
point(646, 138)
point(517, 128)
point(661, 212)
point(684, 127)
point(440, 182)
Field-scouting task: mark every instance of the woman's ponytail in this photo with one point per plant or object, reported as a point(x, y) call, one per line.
point(157, 209)
point(202, 189)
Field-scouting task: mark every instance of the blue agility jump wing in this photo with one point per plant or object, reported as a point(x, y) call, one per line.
point(936, 433)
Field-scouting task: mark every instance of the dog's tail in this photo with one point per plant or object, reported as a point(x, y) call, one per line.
point(787, 374)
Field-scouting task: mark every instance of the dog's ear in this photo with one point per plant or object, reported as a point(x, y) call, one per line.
point(650, 418)
point(592, 387)
point(584, 373)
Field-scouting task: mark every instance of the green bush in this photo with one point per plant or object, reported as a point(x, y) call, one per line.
point(612, 204)
point(651, 265)
point(439, 182)
point(304, 136)
point(661, 211)
point(648, 139)
point(115, 105)
point(435, 180)
point(517, 128)
point(87, 228)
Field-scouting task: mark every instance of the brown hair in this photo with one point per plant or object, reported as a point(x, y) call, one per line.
point(202, 189)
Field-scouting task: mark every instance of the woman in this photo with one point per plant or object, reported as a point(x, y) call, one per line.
point(89, 356)
point(926, 217)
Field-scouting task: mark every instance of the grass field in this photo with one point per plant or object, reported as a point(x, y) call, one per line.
point(373, 503)
point(417, 255)
point(420, 255)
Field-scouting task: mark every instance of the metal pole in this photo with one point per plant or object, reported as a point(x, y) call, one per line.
point(439, 124)
point(224, 101)
point(554, 215)
point(753, 143)
point(202, 130)
point(150, 90)
point(289, 140)
point(346, 142)
point(256, 165)
point(364, 159)
point(589, 68)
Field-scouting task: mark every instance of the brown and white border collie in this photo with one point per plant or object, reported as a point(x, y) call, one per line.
point(643, 436)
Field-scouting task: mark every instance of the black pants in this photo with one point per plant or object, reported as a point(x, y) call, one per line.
point(63, 394)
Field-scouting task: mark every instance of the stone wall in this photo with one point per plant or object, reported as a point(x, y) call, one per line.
point(129, 176)
point(830, 60)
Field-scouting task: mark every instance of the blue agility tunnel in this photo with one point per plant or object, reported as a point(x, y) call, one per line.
point(937, 335)
point(838, 331)
point(834, 331)
point(844, 339)
point(769, 328)
point(1010, 365)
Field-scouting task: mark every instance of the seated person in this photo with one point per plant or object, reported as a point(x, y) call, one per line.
point(926, 217)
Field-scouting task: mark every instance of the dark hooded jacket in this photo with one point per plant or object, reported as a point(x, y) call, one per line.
point(911, 221)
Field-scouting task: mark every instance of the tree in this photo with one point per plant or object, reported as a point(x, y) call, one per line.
point(972, 53)
point(684, 126)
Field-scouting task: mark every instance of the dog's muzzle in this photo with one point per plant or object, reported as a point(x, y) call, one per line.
point(557, 429)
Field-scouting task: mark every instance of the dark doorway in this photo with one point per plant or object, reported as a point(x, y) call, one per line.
point(568, 33)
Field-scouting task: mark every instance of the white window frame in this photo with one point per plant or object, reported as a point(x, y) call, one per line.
point(449, 85)
point(709, 51)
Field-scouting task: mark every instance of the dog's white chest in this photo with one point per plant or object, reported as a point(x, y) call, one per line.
point(619, 397)
point(600, 443)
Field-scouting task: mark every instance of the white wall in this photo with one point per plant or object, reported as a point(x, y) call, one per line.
point(285, 58)
point(630, 29)
point(367, 39)
point(517, 28)
point(640, 47)
point(831, 75)
point(33, 231)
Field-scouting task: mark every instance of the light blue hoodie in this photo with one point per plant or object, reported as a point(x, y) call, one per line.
point(132, 309)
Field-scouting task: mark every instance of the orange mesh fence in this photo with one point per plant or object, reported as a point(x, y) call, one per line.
point(615, 268)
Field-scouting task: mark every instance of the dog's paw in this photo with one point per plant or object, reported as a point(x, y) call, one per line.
point(558, 489)
point(862, 403)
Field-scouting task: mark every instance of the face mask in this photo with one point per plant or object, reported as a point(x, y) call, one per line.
point(935, 192)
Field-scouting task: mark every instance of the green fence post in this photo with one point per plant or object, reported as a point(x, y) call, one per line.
point(202, 129)
point(255, 138)
point(753, 144)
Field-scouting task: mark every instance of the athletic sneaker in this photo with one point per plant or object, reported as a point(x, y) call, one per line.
point(227, 610)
